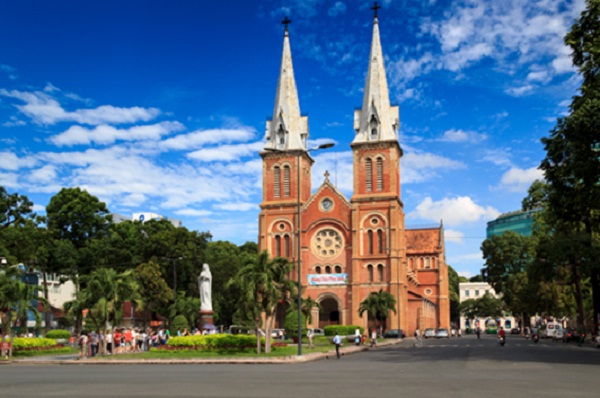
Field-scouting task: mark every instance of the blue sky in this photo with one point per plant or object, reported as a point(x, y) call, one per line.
point(161, 106)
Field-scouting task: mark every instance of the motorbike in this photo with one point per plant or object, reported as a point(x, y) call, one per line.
point(535, 338)
point(501, 340)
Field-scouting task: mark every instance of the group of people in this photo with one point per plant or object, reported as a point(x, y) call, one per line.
point(121, 340)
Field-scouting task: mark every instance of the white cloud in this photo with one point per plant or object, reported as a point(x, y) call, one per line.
point(226, 153)
point(200, 138)
point(338, 8)
point(519, 180)
point(104, 135)
point(10, 161)
point(519, 91)
point(453, 135)
point(42, 108)
point(193, 212)
point(422, 166)
point(452, 235)
point(453, 211)
point(538, 76)
point(499, 157)
point(236, 206)
point(47, 173)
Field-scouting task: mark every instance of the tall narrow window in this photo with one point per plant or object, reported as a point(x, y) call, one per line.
point(278, 246)
point(338, 269)
point(427, 263)
point(369, 175)
point(370, 272)
point(327, 269)
point(380, 241)
point(286, 245)
point(379, 174)
point(277, 181)
point(286, 180)
point(433, 262)
point(318, 269)
point(411, 264)
point(370, 238)
point(380, 272)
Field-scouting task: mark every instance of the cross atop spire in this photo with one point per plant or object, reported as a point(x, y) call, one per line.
point(286, 21)
point(375, 8)
point(326, 175)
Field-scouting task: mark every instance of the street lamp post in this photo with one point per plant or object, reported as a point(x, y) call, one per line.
point(298, 234)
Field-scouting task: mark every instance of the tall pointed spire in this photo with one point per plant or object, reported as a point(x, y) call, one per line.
point(288, 130)
point(377, 120)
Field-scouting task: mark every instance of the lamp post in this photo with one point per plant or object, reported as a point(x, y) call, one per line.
point(298, 234)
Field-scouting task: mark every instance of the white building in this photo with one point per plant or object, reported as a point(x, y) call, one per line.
point(143, 217)
point(476, 290)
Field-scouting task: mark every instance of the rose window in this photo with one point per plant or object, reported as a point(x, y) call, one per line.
point(327, 243)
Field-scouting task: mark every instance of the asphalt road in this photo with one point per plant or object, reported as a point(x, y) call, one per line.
point(441, 368)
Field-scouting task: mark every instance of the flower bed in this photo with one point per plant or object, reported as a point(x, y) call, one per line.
point(29, 344)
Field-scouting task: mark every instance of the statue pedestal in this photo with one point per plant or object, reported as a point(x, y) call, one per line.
point(205, 318)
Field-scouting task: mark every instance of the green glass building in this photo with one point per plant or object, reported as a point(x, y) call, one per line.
point(520, 222)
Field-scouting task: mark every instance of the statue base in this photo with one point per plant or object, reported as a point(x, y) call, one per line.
point(205, 321)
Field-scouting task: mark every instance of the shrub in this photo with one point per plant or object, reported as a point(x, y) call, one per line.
point(214, 342)
point(33, 344)
point(58, 334)
point(180, 322)
point(347, 330)
point(291, 324)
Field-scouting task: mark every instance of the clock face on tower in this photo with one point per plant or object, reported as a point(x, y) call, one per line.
point(327, 243)
point(326, 204)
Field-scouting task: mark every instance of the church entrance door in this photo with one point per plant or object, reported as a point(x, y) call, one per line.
point(329, 313)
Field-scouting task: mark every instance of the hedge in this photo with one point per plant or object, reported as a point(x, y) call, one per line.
point(348, 330)
point(58, 334)
point(33, 344)
point(214, 342)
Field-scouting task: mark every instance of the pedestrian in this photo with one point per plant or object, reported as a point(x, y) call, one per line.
point(478, 332)
point(373, 337)
point(117, 341)
point(459, 333)
point(357, 336)
point(109, 342)
point(83, 345)
point(337, 340)
point(310, 335)
point(93, 343)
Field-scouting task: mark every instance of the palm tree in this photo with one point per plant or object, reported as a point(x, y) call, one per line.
point(378, 305)
point(264, 282)
point(307, 306)
point(186, 306)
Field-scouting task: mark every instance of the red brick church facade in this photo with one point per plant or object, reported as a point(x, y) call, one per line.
point(350, 247)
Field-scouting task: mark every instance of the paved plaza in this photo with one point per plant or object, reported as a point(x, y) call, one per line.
point(441, 368)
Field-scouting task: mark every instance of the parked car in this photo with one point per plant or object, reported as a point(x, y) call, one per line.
point(278, 333)
point(442, 333)
point(429, 333)
point(515, 331)
point(394, 334)
point(318, 332)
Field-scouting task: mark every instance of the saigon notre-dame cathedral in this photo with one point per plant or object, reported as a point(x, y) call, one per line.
point(349, 248)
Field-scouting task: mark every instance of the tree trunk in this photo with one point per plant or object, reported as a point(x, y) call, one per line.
point(47, 310)
point(578, 295)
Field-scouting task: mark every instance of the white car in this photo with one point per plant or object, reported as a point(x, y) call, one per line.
point(441, 333)
point(429, 333)
point(318, 332)
point(278, 333)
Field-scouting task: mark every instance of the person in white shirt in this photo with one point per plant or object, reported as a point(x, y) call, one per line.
point(337, 340)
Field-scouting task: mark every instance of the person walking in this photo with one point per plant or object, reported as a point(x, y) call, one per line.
point(373, 337)
point(357, 336)
point(83, 345)
point(337, 340)
point(417, 342)
point(310, 336)
point(478, 332)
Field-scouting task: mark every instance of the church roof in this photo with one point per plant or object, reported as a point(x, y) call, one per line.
point(327, 184)
point(376, 112)
point(288, 129)
point(426, 240)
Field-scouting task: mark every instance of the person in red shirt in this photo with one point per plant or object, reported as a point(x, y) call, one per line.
point(117, 341)
point(128, 340)
point(502, 336)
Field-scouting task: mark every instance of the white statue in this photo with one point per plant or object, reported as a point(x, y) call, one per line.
point(205, 286)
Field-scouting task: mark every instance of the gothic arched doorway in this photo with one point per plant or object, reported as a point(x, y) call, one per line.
point(329, 314)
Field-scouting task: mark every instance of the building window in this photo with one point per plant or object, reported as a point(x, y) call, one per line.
point(433, 262)
point(370, 238)
point(379, 174)
point(411, 264)
point(286, 180)
point(338, 269)
point(421, 263)
point(277, 181)
point(370, 271)
point(380, 272)
point(467, 293)
point(369, 175)
point(286, 243)
point(318, 269)
point(278, 246)
point(328, 269)
point(427, 263)
point(476, 292)
point(380, 241)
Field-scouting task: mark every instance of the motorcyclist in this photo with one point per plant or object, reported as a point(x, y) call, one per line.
point(534, 334)
point(502, 336)
point(478, 332)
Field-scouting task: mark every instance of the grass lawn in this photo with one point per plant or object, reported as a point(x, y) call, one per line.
point(57, 351)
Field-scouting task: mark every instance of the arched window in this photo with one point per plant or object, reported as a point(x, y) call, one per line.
point(369, 175)
point(380, 241)
point(379, 171)
point(328, 269)
point(281, 138)
point(421, 263)
point(427, 263)
point(278, 246)
point(338, 269)
point(433, 262)
point(370, 272)
point(318, 269)
point(277, 181)
point(411, 264)
point(286, 180)
point(286, 245)
point(373, 126)
point(370, 243)
point(380, 272)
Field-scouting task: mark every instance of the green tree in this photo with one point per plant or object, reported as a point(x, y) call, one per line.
point(378, 305)
point(572, 166)
point(14, 208)
point(487, 306)
point(261, 282)
point(154, 290)
point(453, 287)
point(187, 306)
